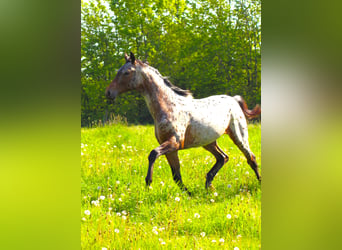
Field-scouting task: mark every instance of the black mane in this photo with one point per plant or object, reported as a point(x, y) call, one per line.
point(176, 89)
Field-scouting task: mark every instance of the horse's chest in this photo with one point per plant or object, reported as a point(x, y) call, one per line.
point(171, 126)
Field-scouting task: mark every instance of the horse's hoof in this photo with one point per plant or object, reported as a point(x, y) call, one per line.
point(148, 182)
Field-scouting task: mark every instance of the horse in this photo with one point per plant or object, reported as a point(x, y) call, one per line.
point(183, 122)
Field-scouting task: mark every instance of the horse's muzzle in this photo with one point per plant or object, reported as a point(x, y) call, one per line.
point(110, 97)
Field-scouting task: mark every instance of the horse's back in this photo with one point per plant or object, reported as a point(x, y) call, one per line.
point(209, 119)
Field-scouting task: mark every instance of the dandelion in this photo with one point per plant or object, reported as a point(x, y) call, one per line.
point(236, 248)
point(95, 203)
point(213, 241)
point(177, 199)
point(104, 248)
point(117, 182)
point(116, 230)
point(108, 143)
point(84, 219)
point(212, 200)
point(81, 153)
point(196, 215)
point(215, 194)
point(87, 212)
point(229, 216)
point(162, 183)
point(124, 217)
point(202, 234)
point(102, 197)
point(120, 199)
point(221, 240)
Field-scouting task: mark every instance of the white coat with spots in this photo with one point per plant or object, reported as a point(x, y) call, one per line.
point(183, 122)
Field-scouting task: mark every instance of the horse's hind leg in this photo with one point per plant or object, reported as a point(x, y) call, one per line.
point(221, 159)
point(173, 160)
point(238, 132)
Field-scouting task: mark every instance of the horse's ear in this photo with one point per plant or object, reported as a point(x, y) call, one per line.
point(126, 57)
point(132, 57)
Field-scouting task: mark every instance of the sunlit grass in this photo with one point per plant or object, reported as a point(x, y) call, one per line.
point(119, 212)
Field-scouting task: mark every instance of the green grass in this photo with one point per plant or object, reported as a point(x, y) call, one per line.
point(130, 216)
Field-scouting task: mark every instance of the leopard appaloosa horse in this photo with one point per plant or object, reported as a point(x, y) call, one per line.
point(183, 122)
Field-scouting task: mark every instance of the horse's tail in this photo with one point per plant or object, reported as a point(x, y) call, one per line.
point(250, 114)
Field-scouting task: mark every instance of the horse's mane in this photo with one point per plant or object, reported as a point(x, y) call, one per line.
point(174, 88)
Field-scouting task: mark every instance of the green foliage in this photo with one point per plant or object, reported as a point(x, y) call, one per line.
point(208, 47)
point(123, 214)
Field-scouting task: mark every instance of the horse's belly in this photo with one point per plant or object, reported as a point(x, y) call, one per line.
point(202, 133)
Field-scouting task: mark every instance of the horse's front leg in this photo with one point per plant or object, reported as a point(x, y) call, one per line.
point(166, 147)
point(173, 160)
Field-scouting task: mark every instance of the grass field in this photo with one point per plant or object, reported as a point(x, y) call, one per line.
point(119, 212)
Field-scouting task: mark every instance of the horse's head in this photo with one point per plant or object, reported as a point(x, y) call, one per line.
point(127, 78)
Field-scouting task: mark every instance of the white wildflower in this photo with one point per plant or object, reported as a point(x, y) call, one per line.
point(177, 199)
point(102, 197)
point(87, 212)
point(213, 241)
point(202, 234)
point(116, 230)
point(124, 217)
point(215, 194)
point(212, 200)
point(96, 203)
point(229, 216)
point(221, 240)
point(117, 182)
point(196, 215)
point(84, 219)
point(124, 212)
point(236, 248)
point(118, 214)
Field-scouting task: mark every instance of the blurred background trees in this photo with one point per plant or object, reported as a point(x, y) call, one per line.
point(209, 47)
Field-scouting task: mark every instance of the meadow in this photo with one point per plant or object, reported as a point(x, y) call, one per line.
point(119, 212)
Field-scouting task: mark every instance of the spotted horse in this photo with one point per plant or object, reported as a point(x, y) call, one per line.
point(183, 122)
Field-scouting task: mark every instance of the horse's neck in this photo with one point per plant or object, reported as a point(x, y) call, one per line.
point(159, 97)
